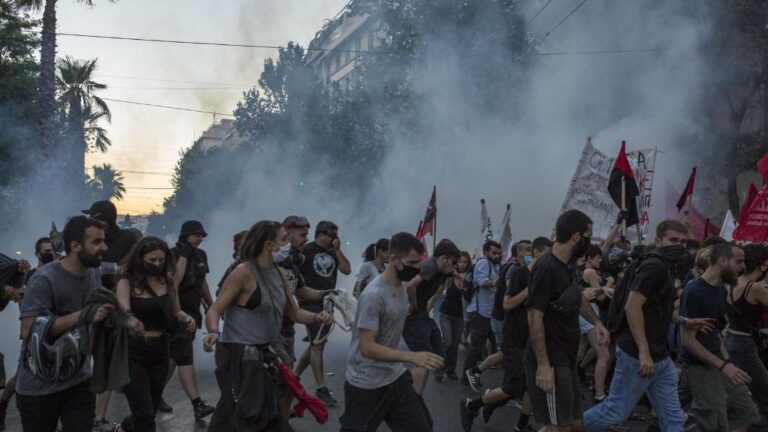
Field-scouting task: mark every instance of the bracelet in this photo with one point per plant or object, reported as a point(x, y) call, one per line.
point(214, 331)
point(128, 313)
point(725, 363)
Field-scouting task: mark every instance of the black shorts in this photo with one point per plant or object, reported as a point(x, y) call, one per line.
point(513, 383)
point(421, 333)
point(397, 404)
point(562, 407)
point(180, 347)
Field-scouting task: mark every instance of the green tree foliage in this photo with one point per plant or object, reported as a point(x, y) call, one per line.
point(18, 113)
point(106, 183)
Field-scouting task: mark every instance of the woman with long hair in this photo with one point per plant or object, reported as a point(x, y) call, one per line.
point(253, 300)
point(452, 314)
point(746, 303)
point(146, 293)
point(593, 285)
point(375, 256)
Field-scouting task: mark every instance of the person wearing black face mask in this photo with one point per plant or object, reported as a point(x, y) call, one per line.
point(44, 253)
point(643, 363)
point(147, 295)
point(554, 304)
point(375, 370)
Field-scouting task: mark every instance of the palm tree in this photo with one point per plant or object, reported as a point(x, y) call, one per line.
point(106, 183)
point(47, 102)
point(83, 107)
point(96, 138)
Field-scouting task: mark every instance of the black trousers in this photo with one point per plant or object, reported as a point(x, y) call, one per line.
point(75, 406)
point(479, 332)
point(148, 366)
point(396, 404)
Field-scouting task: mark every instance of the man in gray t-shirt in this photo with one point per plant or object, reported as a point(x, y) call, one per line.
point(378, 388)
point(59, 289)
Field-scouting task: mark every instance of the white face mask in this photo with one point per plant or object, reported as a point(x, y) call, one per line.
point(282, 254)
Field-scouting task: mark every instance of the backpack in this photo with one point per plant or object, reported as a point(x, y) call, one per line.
point(617, 321)
point(501, 288)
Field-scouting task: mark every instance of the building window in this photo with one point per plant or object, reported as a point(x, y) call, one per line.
point(358, 46)
point(327, 67)
point(338, 62)
point(370, 40)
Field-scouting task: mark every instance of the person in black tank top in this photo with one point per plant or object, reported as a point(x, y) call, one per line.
point(746, 303)
point(146, 293)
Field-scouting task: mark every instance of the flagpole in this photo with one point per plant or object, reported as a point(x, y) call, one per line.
point(434, 229)
point(624, 207)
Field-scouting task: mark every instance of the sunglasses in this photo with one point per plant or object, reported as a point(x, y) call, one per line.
point(300, 222)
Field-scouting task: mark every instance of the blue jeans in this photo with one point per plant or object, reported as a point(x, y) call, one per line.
point(627, 387)
point(496, 327)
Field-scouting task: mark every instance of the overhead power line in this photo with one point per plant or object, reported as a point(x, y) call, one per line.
point(167, 107)
point(221, 44)
point(564, 19)
point(149, 188)
point(174, 81)
point(537, 13)
point(146, 172)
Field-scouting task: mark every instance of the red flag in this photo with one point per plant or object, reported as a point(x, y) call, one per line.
point(687, 192)
point(429, 218)
point(706, 229)
point(762, 168)
point(753, 229)
point(622, 170)
point(747, 203)
point(420, 237)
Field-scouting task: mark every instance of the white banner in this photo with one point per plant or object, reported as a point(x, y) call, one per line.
point(589, 189)
point(729, 225)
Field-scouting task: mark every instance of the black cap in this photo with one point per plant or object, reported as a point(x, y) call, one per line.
point(191, 227)
point(326, 227)
point(104, 211)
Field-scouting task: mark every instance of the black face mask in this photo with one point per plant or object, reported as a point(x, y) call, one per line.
point(677, 257)
point(581, 247)
point(154, 269)
point(46, 257)
point(407, 273)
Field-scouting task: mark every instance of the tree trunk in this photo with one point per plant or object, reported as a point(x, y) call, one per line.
point(75, 152)
point(47, 102)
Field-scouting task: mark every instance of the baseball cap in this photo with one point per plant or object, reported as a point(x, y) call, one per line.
point(104, 211)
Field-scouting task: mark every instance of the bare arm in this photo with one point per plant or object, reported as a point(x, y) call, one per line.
point(608, 243)
point(344, 266)
point(308, 294)
point(511, 302)
point(538, 336)
point(440, 291)
point(373, 350)
point(228, 293)
point(636, 320)
point(123, 292)
point(181, 270)
point(690, 343)
point(62, 325)
point(587, 312)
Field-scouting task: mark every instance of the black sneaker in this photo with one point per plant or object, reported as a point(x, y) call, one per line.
point(326, 397)
point(202, 410)
point(467, 415)
point(164, 407)
point(452, 375)
point(474, 380)
point(3, 410)
point(439, 375)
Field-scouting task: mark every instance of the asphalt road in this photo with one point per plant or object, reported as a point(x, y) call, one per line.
point(442, 398)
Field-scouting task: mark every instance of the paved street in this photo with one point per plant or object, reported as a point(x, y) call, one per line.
point(442, 398)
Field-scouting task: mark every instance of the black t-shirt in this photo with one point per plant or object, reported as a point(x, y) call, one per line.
point(292, 267)
point(319, 270)
point(191, 286)
point(702, 300)
point(430, 284)
point(29, 275)
point(497, 312)
point(656, 284)
point(452, 301)
point(549, 279)
point(515, 326)
point(119, 243)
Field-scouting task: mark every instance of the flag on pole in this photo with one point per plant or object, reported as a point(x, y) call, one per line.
point(428, 226)
point(486, 231)
point(420, 237)
point(506, 233)
point(747, 203)
point(623, 187)
point(729, 225)
point(687, 192)
point(706, 229)
point(762, 168)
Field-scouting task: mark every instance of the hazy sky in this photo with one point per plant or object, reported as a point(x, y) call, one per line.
point(149, 139)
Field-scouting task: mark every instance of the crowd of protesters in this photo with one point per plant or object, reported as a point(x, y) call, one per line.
point(584, 332)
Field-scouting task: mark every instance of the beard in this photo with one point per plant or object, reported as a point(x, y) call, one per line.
point(729, 277)
point(89, 260)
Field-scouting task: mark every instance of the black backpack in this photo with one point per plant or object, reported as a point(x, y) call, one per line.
point(501, 288)
point(616, 317)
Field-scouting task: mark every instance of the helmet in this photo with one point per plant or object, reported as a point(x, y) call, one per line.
point(56, 362)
